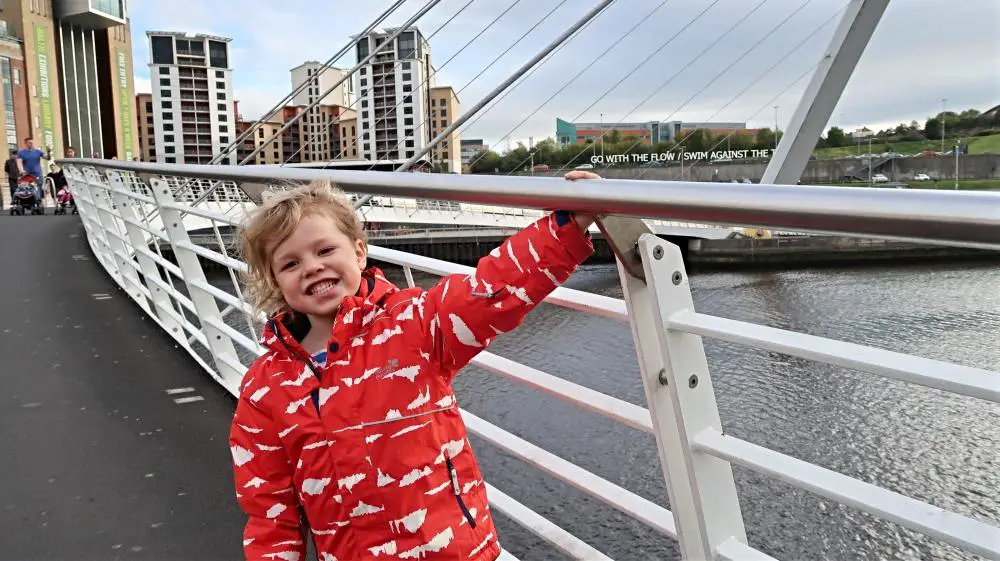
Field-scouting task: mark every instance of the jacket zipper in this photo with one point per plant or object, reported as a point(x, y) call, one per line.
point(315, 393)
point(453, 475)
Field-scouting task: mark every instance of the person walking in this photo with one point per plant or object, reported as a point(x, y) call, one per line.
point(13, 174)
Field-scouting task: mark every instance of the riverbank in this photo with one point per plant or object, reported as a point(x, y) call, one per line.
point(820, 251)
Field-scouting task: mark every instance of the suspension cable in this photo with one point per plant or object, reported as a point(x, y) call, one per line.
point(375, 52)
point(395, 66)
point(782, 92)
point(726, 69)
point(487, 67)
point(571, 80)
point(567, 34)
point(311, 81)
point(664, 84)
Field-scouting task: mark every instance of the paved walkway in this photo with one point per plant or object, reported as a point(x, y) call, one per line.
point(98, 461)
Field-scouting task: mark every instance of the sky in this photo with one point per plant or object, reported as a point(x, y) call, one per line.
point(639, 60)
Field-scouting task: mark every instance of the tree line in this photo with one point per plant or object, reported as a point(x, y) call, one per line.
point(970, 122)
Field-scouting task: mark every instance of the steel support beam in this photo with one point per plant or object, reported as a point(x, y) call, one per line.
point(824, 91)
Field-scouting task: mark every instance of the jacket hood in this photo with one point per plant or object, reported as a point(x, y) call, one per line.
point(284, 331)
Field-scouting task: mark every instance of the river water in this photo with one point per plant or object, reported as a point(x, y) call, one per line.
point(923, 443)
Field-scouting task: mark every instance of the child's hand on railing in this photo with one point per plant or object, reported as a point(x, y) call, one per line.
point(582, 220)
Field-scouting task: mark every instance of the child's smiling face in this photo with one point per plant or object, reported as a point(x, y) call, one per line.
point(318, 266)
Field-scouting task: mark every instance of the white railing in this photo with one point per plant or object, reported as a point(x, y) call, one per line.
point(117, 209)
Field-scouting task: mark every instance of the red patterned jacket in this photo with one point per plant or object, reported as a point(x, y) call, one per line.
point(369, 453)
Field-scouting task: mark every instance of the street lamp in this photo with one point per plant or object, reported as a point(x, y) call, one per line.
point(944, 117)
point(775, 127)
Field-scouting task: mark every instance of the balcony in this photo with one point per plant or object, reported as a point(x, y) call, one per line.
point(90, 14)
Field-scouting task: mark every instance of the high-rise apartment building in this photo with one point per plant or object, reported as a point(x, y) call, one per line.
point(392, 95)
point(194, 117)
point(67, 76)
point(317, 126)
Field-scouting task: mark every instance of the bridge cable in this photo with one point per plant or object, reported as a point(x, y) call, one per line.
point(309, 82)
point(485, 68)
point(395, 66)
point(375, 52)
point(569, 33)
point(243, 136)
point(567, 84)
point(661, 86)
point(726, 69)
point(792, 51)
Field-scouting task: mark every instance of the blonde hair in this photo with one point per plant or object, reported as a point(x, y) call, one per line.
point(274, 221)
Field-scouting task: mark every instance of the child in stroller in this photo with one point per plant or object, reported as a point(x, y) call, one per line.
point(26, 197)
point(64, 201)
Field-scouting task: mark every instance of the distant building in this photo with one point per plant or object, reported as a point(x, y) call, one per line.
point(319, 126)
point(194, 116)
point(471, 147)
point(444, 110)
point(649, 132)
point(67, 76)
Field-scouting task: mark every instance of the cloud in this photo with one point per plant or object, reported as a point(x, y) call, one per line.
point(702, 55)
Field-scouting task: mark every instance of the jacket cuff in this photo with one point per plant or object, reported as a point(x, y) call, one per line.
point(578, 243)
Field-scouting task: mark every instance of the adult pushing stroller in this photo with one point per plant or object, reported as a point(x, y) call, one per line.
point(26, 197)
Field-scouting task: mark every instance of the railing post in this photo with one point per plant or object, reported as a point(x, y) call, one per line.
point(128, 279)
point(162, 307)
point(681, 401)
point(204, 303)
point(96, 228)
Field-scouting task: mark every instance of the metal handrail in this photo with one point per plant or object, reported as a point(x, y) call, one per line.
point(940, 217)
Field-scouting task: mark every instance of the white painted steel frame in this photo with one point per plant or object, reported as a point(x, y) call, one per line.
point(683, 414)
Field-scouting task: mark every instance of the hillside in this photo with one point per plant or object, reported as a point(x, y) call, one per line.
point(977, 145)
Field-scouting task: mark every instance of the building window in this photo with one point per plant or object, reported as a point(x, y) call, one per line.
point(444, 112)
point(220, 74)
point(171, 160)
point(168, 116)
point(260, 133)
point(164, 81)
point(223, 128)
point(8, 103)
point(167, 105)
point(408, 121)
point(410, 153)
point(224, 139)
point(220, 85)
point(407, 76)
point(163, 49)
point(221, 95)
point(409, 144)
point(168, 138)
point(164, 93)
point(407, 111)
point(164, 70)
point(222, 107)
point(169, 150)
point(149, 107)
point(406, 65)
point(168, 126)
point(217, 55)
point(407, 88)
point(444, 155)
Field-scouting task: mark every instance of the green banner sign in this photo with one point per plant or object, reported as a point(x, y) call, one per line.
point(44, 91)
point(125, 101)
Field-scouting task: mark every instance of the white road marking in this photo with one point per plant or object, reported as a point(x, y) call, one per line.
point(101, 296)
point(181, 400)
point(179, 390)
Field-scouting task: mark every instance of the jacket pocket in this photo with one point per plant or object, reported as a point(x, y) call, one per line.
point(457, 490)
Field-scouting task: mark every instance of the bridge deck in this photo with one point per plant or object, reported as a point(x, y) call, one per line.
point(99, 461)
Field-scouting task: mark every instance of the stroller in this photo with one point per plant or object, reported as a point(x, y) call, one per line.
point(64, 201)
point(26, 197)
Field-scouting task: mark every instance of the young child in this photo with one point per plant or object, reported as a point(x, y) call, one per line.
point(347, 428)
